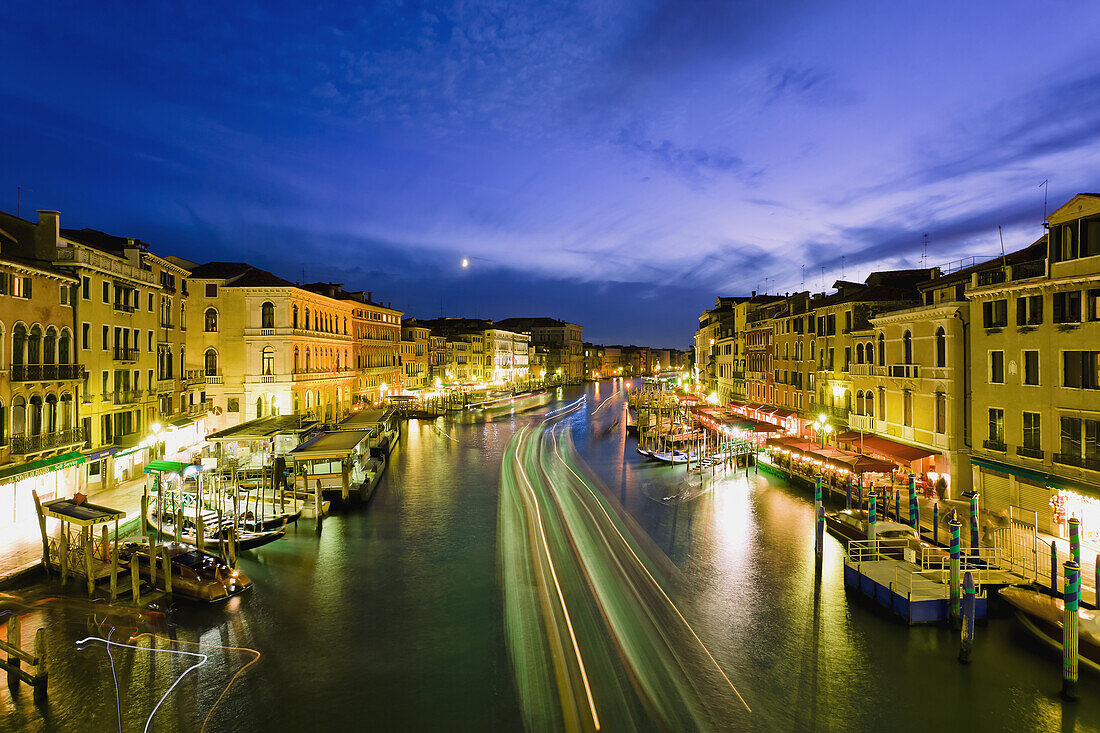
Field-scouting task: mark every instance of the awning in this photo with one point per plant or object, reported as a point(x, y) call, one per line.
point(165, 467)
point(102, 453)
point(891, 449)
point(1047, 479)
point(11, 474)
point(83, 515)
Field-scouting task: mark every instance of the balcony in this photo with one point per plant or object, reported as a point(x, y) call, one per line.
point(940, 440)
point(124, 307)
point(1025, 270)
point(126, 396)
point(861, 370)
point(200, 408)
point(214, 378)
point(863, 423)
point(302, 376)
point(991, 277)
point(46, 372)
point(125, 353)
point(754, 376)
point(194, 377)
point(995, 445)
point(1068, 459)
point(22, 445)
point(166, 385)
point(899, 371)
point(104, 263)
point(1029, 452)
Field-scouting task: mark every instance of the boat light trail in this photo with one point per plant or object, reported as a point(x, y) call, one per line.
point(557, 586)
point(609, 398)
point(441, 432)
point(652, 579)
point(203, 660)
point(571, 405)
point(114, 676)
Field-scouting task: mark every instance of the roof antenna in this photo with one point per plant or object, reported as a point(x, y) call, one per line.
point(924, 253)
point(19, 196)
point(823, 278)
point(1004, 262)
point(803, 277)
point(842, 267)
point(1046, 186)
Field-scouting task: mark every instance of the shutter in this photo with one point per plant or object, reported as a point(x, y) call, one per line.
point(1036, 497)
point(995, 495)
point(26, 287)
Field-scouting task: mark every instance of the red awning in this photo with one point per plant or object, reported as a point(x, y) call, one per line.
point(891, 449)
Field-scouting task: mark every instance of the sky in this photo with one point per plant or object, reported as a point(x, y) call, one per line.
point(615, 163)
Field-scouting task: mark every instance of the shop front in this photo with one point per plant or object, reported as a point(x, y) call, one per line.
point(51, 478)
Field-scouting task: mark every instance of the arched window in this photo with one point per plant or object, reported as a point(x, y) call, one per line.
point(345, 325)
point(34, 416)
point(50, 416)
point(210, 363)
point(306, 326)
point(941, 347)
point(869, 352)
point(259, 406)
point(869, 406)
point(267, 315)
point(907, 346)
point(64, 347)
point(3, 424)
point(307, 359)
point(18, 416)
point(267, 361)
point(294, 317)
point(67, 412)
point(49, 346)
point(18, 351)
point(210, 320)
point(941, 413)
point(881, 349)
point(295, 359)
point(859, 402)
point(859, 353)
point(34, 345)
point(881, 403)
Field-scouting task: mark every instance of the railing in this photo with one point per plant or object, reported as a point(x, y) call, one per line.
point(126, 396)
point(861, 370)
point(994, 445)
point(900, 371)
point(267, 378)
point(754, 376)
point(991, 277)
point(166, 385)
point(940, 440)
point(194, 376)
point(125, 353)
point(24, 444)
point(1029, 452)
point(865, 423)
point(46, 372)
point(200, 407)
point(80, 255)
point(124, 307)
point(1024, 270)
point(308, 376)
point(214, 378)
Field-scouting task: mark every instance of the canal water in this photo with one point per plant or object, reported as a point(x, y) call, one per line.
point(391, 618)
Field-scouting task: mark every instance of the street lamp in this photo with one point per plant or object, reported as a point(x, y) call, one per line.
point(823, 427)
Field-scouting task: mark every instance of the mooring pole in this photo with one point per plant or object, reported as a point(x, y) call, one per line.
point(974, 523)
point(1075, 540)
point(936, 523)
point(1053, 569)
point(1070, 621)
point(969, 602)
point(871, 514)
point(859, 492)
point(848, 493)
point(956, 530)
point(914, 508)
point(819, 519)
point(897, 505)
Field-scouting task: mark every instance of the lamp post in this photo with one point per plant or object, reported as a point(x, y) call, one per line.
point(823, 428)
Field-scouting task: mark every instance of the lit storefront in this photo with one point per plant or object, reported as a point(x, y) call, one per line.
point(1066, 504)
point(51, 478)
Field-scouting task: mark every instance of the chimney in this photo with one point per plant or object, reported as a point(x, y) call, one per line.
point(46, 234)
point(370, 295)
point(754, 293)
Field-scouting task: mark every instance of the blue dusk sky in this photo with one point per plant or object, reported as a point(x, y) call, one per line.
point(617, 163)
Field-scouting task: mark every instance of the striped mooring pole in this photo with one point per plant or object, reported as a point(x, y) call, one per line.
point(914, 510)
point(1075, 540)
point(956, 530)
point(973, 522)
point(871, 514)
point(1069, 631)
point(819, 518)
point(936, 523)
point(897, 505)
point(848, 493)
point(885, 503)
point(969, 610)
point(1053, 569)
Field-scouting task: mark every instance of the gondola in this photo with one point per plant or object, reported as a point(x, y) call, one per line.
point(215, 536)
point(196, 574)
point(1043, 616)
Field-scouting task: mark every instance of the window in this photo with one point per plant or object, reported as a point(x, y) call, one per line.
point(995, 313)
point(1029, 310)
point(881, 349)
point(1032, 432)
point(1031, 367)
point(267, 361)
point(210, 363)
point(997, 367)
point(859, 353)
point(106, 292)
point(106, 337)
point(210, 319)
point(941, 347)
point(85, 329)
point(1081, 369)
point(85, 288)
point(907, 407)
point(149, 348)
point(881, 403)
point(1094, 304)
point(941, 413)
point(211, 290)
point(996, 425)
point(267, 315)
point(1070, 448)
point(1067, 307)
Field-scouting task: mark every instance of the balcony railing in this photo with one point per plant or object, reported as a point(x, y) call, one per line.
point(1025, 270)
point(754, 376)
point(46, 372)
point(23, 444)
point(899, 371)
point(124, 307)
point(214, 379)
point(864, 423)
point(1068, 459)
point(166, 385)
point(991, 277)
point(861, 370)
point(200, 408)
point(194, 376)
point(126, 396)
point(1029, 452)
point(126, 353)
point(994, 445)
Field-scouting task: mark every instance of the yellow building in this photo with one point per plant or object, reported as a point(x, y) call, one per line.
point(416, 360)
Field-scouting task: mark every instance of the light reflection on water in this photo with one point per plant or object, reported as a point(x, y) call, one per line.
point(391, 618)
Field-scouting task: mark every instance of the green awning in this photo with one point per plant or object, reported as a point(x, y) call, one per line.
point(165, 467)
point(42, 465)
point(1044, 478)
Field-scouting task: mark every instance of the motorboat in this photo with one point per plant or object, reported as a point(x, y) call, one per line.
point(1044, 616)
point(196, 574)
point(216, 535)
point(851, 524)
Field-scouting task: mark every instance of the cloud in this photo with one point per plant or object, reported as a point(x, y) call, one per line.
point(696, 165)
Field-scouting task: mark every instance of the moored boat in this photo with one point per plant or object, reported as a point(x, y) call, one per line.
point(217, 536)
point(851, 524)
point(1043, 616)
point(196, 574)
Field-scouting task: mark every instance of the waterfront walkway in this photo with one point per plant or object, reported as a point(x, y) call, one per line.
point(22, 554)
